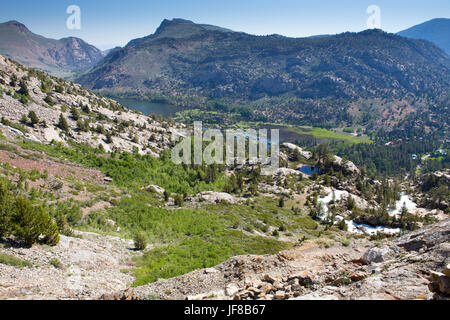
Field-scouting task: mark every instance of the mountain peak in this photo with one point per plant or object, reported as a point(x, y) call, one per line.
point(17, 25)
point(180, 28)
point(167, 24)
point(60, 57)
point(436, 31)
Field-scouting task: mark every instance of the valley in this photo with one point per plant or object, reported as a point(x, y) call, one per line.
point(93, 207)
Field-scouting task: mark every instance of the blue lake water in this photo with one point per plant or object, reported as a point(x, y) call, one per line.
point(161, 109)
point(167, 110)
point(309, 170)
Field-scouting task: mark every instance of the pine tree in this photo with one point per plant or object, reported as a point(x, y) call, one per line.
point(281, 202)
point(109, 139)
point(5, 210)
point(23, 89)
point(75, 113)
point(13, 81)
point(27, 222)
point(62, 123)
point(33, 118)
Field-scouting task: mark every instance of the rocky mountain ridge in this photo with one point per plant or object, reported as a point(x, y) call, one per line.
point(91, 119)
point(301, 80)
point(66, 56)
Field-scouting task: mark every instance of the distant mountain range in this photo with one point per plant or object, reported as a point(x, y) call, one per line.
point(60, 57)
point(436, 31)
point(324, 79)
point(288, 79)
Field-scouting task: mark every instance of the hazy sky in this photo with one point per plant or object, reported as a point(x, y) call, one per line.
point(107, 23)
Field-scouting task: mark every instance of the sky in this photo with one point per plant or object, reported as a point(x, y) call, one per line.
point(110, 23)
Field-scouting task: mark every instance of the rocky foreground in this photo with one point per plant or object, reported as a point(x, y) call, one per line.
point(91, 266)
point(81, 267)
point(406, 268)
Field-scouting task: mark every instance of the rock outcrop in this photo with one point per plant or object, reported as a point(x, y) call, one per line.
point(346, 165)
point(292, 147)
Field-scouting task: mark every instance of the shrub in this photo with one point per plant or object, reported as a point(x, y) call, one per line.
point(179, 201)
point(33, 117)
point(59, 89)
point(67, 213)
point(63, 225)
point(23, 99)
point(23, 89)
point(49, 100)
point(350, 203)
point(140, 242)
point(55, 262)
point(29, 223)
point(49, 230)
point(5, 210)
point(62, 123)
point(24, 119)
point(108, 138)
point(13, 80)
point(281, 202)
point(75, 113)
point(342, 225)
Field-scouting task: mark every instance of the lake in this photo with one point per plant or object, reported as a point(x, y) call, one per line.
point(167, 110)
point(309, 170)
point(146, 107)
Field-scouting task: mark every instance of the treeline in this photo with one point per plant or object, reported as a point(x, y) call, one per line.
point(27, 223)
point(380, 159)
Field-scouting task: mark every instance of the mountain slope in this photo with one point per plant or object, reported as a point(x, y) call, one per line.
point(297, 79)
point(59, 57)
point(24, 90)
point(436, 31)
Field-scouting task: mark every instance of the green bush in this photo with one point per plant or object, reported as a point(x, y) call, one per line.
point(33, 117)
point(49, 100)
point(179, 201)
point(55, 262)
point(23, 89)
point(140, 242)
point(6, 201)
point(67, 213)
point(63, 124)
point(29, 223)
point(75, 113)
point(63, 225)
